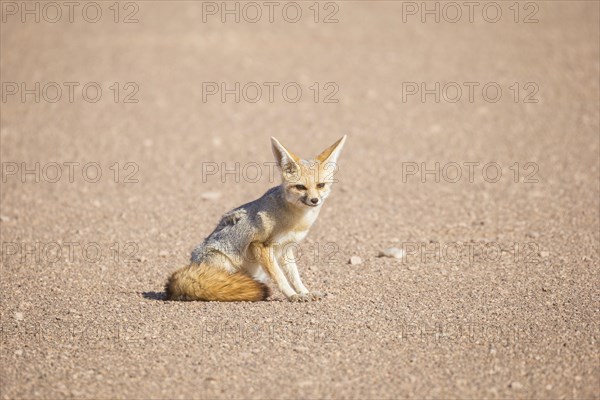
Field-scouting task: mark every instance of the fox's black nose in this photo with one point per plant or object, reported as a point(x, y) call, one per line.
point(314, 200)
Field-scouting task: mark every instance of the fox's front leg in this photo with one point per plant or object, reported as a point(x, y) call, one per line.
point(290, 268)
point(266, 257)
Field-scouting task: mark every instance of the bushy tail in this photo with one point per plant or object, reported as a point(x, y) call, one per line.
point(206, 283)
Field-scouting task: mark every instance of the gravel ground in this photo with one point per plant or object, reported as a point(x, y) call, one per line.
point(496, 295)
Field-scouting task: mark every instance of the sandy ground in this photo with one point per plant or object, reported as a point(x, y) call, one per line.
point(497, 295)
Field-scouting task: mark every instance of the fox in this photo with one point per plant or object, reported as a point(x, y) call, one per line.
point(254, 242)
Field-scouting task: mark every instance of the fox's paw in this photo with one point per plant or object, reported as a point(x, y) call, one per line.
point(299, 298)
point(316, 295)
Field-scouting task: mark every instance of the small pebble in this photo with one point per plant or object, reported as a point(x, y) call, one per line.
point(163, 253)
point(210, 195)
point(355, 260)
point(515, 385)
point(4, 218)
point(393, 252)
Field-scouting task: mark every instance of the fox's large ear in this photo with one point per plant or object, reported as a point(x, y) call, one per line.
point(331, 154)
point(287, 161)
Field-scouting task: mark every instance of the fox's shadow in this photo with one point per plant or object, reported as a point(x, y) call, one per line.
point(155, 295)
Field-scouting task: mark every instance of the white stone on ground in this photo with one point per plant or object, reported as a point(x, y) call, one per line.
point(355, 260)
point(392, 252)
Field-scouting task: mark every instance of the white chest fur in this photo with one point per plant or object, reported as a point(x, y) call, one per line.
point(299, 229)
point(290, 237)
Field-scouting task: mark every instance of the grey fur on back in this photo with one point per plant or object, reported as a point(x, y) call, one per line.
point(240, 227)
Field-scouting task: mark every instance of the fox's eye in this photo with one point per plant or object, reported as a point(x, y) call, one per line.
point(300, 187)
point(320, 185)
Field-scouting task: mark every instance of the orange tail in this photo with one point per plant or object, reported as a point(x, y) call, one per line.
point(206, 283)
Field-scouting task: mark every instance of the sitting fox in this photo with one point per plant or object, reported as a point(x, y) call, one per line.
point(255, 241)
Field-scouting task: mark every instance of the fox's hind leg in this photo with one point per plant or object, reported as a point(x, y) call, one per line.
point(266, 256)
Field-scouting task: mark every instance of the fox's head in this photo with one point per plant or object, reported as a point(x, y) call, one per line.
point(307, 183)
